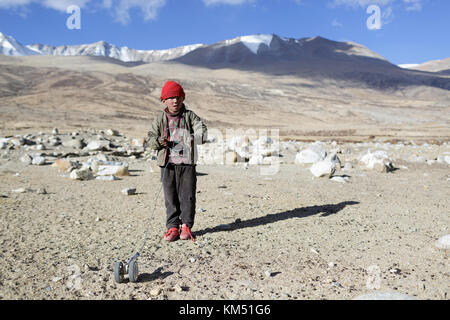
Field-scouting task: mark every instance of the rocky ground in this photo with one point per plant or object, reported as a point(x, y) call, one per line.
point(292, 234)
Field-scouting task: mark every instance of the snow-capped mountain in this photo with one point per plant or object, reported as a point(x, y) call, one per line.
point(105, 49)
point(241, 50)
point(266, 49)
point(10, 47)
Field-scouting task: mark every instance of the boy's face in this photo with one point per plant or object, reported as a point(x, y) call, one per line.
point(174, 104)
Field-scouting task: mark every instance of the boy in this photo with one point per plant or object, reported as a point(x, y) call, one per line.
point(175, 133)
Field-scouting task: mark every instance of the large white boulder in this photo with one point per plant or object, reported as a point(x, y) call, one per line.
point(98, 145)
point(324, 168)
point(378, 160)
point(312, 154)
point(73, 143)
point(109, 168)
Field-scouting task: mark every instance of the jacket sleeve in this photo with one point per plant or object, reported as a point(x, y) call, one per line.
point(153, 135)
point(200, 129)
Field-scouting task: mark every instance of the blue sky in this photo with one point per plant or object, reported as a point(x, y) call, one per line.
point(412, 31)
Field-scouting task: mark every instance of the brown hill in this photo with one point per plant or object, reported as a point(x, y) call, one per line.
point(42, 92)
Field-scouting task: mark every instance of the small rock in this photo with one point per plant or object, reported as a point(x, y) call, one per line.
point(112, 132)
point(41, 191)
point(38, 161)
point(443, 242)
point(331, 264)
point(81, 174)
point(107, 178)
point(129, 191)
point(155, 292)
point(56, 279)
point(26, 159)
point(89, 268)
point(338, 179)
point(137, 142)
point(20, 190)
point(97, 145)
point(395, 270)
point(73, 143)
point(178, 288)
point(55, 131)
point(54, 142)
point(65, 165)
point(192, 259)
point(40, 147)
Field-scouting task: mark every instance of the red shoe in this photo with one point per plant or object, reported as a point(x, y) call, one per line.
point(171, 234)
point(186, 233)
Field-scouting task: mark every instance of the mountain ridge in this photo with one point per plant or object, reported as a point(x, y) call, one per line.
point(256, 44)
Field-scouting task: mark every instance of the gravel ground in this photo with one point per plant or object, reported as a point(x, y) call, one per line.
point(283, 236)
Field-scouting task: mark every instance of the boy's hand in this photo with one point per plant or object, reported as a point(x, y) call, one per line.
point(163, 142)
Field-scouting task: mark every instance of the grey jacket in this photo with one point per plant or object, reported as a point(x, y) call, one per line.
point(159, 128)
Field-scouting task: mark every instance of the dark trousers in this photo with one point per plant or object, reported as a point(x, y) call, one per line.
point(179, 185)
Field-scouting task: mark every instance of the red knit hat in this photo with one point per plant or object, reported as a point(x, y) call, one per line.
point(172, 89)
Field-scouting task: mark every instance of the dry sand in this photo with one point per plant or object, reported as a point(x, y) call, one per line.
point(282, 236)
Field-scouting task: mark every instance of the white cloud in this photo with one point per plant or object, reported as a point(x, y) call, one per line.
point(413, 5)
point(120, 8)
point(232, 2)
point(149, 8)
point(387, 11)
point(360, 3)
point(13, 3)
point(107, 3)
point(60, 5)
point(387, 15)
